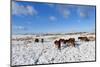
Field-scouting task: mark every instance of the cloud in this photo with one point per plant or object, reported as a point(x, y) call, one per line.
point(15, 27)
point(63, 10)
point(82, 12)
point(23, 10)
point(52, 18)
point(50, 5)
point(66, 13)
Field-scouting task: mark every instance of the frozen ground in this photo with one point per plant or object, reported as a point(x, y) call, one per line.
point(44, 53)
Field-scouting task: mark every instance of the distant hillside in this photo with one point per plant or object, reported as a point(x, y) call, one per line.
point(45, 34)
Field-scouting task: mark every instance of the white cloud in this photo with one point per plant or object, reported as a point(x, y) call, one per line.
point(18, 27)
point(22, 10)
point(31, 10)
point(52, 18)
point(83, 14)
point(63, 10)
point(66, 13)
point(51, 5)
point(82, 11)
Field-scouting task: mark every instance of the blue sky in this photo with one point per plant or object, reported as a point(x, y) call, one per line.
point(31, 17)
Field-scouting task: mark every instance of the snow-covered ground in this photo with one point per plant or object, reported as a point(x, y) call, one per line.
point(43, 53)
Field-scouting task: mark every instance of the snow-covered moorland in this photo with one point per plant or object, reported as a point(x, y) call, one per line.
point(26, 53)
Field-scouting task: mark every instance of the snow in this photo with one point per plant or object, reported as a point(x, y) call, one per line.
point(44, 53)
